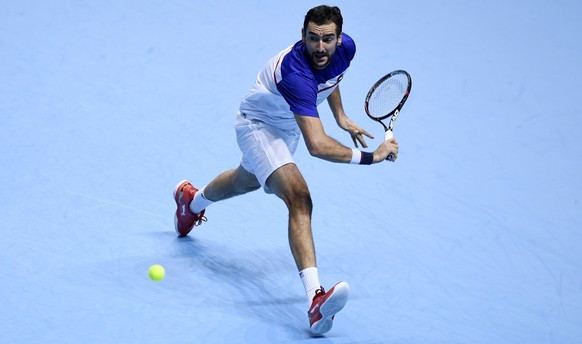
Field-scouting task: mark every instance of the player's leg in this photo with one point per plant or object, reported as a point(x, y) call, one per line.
point(288, 184)
point(229, 184)
point(191, 202)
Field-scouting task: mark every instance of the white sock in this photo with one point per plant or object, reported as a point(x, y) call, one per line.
point(199, 202)
point(310, 279)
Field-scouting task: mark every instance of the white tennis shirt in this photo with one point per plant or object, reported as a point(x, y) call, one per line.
point(289, 85)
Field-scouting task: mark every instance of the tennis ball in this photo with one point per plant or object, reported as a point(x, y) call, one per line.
point(157, 272)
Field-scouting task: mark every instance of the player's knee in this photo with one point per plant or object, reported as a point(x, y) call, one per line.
point(300, 199)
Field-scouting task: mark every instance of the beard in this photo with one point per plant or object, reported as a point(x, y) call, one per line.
point(321, 60)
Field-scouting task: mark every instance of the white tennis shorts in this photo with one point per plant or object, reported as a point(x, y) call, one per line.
point(264, 148)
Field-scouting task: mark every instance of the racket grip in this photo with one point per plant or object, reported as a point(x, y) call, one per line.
point(387, 136)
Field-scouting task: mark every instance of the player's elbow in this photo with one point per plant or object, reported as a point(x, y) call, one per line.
point(315, 149)
point(315, 153)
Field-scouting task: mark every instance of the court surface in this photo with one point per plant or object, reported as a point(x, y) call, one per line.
point(472, 236)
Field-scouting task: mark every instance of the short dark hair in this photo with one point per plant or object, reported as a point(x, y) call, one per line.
point(324, 14)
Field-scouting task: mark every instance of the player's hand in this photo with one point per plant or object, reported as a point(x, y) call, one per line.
point(383, 151)
point(356, 132)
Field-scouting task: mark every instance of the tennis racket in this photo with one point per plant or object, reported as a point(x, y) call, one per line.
point(386, 98)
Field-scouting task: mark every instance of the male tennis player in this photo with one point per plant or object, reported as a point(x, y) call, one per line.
point(282, 105)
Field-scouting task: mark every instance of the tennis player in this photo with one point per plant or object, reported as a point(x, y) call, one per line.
point(280, 108)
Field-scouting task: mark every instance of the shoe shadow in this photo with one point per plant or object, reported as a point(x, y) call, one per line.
point(253, 283)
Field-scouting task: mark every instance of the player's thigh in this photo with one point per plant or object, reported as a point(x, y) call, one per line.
point(288, 183)
point(245, 180)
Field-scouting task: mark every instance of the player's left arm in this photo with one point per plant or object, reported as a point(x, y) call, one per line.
point(343, 121)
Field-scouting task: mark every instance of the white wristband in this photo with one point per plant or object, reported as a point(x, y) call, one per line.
point(356, 156)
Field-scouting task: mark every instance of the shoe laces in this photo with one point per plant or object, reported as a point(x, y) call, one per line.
point(319, 292)
point(201, 219)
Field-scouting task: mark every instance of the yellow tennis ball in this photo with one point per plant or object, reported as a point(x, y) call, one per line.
point(157, 272)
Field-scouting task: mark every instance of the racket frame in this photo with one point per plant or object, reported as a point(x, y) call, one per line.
point(388, 130)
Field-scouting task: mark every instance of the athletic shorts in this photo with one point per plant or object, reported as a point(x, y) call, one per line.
point(264, 148)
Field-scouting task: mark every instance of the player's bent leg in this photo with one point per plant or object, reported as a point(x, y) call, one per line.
point(288, 184)
point(230, 184)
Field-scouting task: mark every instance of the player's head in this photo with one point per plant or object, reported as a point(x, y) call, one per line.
point(322, 33)
point(323, 15)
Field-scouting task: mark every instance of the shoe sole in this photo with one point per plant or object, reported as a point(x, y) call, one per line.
point(330, 308)
point(177, 204)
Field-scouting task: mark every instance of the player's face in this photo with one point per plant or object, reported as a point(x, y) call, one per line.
point(321, 42)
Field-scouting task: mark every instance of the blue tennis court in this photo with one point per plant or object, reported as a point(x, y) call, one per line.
point(472, 236)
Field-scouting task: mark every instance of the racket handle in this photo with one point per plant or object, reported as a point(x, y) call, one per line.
point(387, 136)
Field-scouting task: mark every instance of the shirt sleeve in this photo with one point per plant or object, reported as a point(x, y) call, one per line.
point(300, 93)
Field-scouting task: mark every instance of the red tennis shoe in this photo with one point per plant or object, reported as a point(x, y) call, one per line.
point(185, 219)
point(325, 306)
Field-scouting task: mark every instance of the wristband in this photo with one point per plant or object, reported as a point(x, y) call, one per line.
point(361, 158)
point(367, 158)
point(356, 156)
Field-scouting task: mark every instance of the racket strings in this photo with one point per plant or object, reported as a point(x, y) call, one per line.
point(387, 95)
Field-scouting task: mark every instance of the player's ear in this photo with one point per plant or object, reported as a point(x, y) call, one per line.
point(303, 35)
point(339, 39)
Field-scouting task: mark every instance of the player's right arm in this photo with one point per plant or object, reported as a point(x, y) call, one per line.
point(322, 146)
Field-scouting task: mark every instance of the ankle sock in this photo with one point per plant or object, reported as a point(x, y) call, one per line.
point(310, 279)
point(200, 202)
